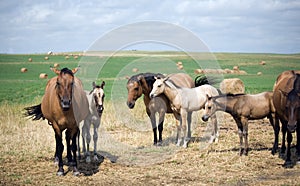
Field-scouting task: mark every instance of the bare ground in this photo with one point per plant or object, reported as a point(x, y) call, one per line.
point(27, 148)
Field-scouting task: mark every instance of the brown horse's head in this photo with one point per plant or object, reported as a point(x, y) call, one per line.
point(293, 109)
point(135, 90)
point(64, 86)
point(210, 108)
point(98, 96)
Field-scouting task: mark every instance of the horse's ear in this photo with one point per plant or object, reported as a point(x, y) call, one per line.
point(74, 70)
point(94, 84)
point(102, 85)
point(55, 70)
point(208, 97)
point(140, 77)
point(165, 79)
point(283, 93)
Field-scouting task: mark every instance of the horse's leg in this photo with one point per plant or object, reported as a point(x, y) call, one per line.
point(184, 115)
point(298, 143)
point(59, 151)
point(161, 126)
point(244, 121)
point(284, 130)
point(288, 162)
point(74, 150)
point(187, 131)
point(240, 132)
point(68, 142)
point(78, 145)
point(88, 140)
point(83, 135)
point(215, 133)
point(95, 137)
point(276, 128)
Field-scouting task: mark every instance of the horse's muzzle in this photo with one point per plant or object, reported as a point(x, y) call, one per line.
point(205, 118)
point(292, 127)
point(65, 104)
point(100, 109)
point(130, 104)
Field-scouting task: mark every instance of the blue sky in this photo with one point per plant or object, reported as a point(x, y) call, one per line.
point(269, 26)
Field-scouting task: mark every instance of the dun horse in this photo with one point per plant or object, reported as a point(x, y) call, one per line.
point(96, 100)
point(141, 84)
point(185, 101)
point(286, 101)
point(244, 107)
point(64, 105)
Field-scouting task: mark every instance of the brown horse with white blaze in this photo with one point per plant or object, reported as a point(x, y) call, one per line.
point(286, 101)
point(64, 105)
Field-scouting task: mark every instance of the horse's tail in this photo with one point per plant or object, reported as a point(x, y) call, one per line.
point(34, 112)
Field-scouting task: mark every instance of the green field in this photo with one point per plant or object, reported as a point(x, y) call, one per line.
point(17, 87)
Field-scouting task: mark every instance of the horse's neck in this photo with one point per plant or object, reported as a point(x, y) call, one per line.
point(226, 104)
point(172, 94)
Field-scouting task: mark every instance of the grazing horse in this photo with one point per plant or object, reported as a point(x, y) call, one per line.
point(184, 101)
point(286, 101)
point(64, 105)
point(244, 107)
point(142, 83)
point(96, 100)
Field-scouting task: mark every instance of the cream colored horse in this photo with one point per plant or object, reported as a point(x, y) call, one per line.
point(185, 101)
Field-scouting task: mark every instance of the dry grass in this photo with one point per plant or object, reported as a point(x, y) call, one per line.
point(27, 148)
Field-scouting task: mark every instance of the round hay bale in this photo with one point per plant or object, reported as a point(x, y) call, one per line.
point(135, 70)
point(232, 86)
point(46, 57)
point(43, 76)
point(259, 73)
point(262, 63)
point(30, 59)
point(24, 70)
point(56, 65)
point(179, 63)
point(228, 71)
point(198, 71)
point(242, 72)
point(180, 67)
point(76, 57)
point(67, 57)
point(236, 68)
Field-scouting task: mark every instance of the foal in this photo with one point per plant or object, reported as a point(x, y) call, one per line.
point(95, 99)
point(184, 101)
point(244, 107)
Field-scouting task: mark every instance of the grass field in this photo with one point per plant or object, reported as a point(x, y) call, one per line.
point(27, 147)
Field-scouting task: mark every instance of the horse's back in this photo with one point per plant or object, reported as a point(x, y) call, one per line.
point(182, 80)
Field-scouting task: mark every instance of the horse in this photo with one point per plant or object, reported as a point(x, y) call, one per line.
point(141, 84)
point(286, 101)
point(244, 107)
point(185, 101)
point(64, 105)
point(95, 99)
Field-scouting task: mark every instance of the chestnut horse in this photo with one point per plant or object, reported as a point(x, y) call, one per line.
point(286, 101)
point(96, 108)
point(142, 84)
point(185, 101)
point(64, 105)
point(244, 107)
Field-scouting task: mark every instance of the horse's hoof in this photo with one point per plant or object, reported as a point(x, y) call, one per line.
point(88, 159)
point(75, 171)
point(159, 143)
point(56, 160)
point(60, 173)
point(185, 146)
point(96, 158)
point(288, 164)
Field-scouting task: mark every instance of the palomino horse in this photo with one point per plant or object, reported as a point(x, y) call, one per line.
point(286, 101)
point(244, 107)
point(184, 101)
point(96, 100)
point(64, 104)
point(142, 83)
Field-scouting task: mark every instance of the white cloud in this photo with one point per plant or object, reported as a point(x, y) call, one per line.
point(224, 25)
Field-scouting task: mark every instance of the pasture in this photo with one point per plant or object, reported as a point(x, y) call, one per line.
point(27, 147)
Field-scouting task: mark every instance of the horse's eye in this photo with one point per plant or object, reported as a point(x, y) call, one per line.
point(57, 83)
point(159, 86)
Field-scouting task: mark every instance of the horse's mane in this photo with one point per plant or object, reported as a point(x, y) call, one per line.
point(66, 71)
point(204, 80)
point(149, 77)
